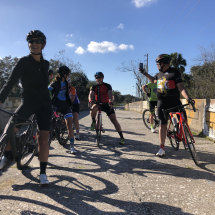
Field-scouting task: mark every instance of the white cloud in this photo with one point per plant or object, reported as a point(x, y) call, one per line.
point(102, 47)
point(120, 26)
point(70, 45)
point(67, 35)
point(123, 47)
point(80, 50)
point(71, 35)
point(131, 47)
point(142, 3)
point(105, 47)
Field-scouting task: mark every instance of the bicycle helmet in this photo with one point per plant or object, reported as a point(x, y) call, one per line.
point(51, 71)
point(163, 58)
point(36, 34)
point(63, 70)
point(99, 73)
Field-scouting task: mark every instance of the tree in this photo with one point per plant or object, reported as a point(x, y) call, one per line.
point(118, 98)
point(178, 62)
point(6, 66)
point(133, 67)
point(80, 81)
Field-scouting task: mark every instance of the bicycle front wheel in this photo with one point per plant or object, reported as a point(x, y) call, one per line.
point(27, 153)
point(146, 116)
point(98, 129)
point(189, 142)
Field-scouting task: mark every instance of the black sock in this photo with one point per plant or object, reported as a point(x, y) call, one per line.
point(43, 167)
point(94, 120)
point(120, 134)
point(7, 154)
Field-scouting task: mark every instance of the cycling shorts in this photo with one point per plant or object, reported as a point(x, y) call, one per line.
point(152, 105)
point(166, 106)
point(64, 108)
point(43, 114)
point(75, 108)
point(107, 109)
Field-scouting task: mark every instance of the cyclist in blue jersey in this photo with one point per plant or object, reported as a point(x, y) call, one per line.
point(61, 100)
point(32, 70)
point(75, 107)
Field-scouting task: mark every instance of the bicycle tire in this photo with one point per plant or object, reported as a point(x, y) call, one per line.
point(98, 129)
point(146, 116)
point(62, 138)
point(189, 141)
point(3, 143)
point(29, 150)
point(173, 141)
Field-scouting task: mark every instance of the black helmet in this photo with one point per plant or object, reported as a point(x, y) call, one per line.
point(63, 69)
point(51, 71)
point(163, 58)
point(99, 73)
point(36, 34)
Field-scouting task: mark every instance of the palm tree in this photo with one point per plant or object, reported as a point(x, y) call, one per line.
point(178, 62)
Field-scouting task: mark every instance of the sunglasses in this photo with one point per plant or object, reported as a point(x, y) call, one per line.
point(31, 41)
point(98, 77)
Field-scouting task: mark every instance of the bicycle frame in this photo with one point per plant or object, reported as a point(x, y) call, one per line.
point(180, 131)
point(99, 113)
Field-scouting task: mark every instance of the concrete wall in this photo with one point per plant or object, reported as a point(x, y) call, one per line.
point(11, 105)
point(203, 120)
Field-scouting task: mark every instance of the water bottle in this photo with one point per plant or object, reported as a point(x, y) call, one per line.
point(174, 122)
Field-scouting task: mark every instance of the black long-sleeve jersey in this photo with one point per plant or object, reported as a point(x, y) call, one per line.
point(34, 81)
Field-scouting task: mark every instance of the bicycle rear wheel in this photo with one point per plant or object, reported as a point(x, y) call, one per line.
point(189, 141)
point(174, 141)
point(146, 116)
point(63, 137)
point(3, 143)
point(98, 129)
point(27, 151)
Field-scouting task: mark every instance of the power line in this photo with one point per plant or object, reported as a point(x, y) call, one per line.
point(198, 34)
point(165, 26)
point(181, 23)
point(174, 22)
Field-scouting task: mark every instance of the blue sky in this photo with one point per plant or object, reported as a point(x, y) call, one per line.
point(101, 34)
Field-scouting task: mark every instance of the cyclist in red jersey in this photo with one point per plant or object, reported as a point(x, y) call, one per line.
point(103, 94)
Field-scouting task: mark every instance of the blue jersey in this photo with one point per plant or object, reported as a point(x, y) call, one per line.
point(62, 94)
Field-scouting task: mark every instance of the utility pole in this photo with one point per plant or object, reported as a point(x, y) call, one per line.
point(147, 68)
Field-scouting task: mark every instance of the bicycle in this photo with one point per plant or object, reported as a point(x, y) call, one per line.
point(146, 117)
point(58, 129)
point(98, 126)
point(177, 132)
point(24, 146)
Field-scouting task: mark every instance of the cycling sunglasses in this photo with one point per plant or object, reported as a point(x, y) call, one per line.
point(31, 41)
point(98, 77)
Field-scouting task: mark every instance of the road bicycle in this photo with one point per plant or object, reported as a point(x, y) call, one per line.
point(58, 129)
point(24, 145)
point(146, 117)
point(98, 127)
point(180, 131)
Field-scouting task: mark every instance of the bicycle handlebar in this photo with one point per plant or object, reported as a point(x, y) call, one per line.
point(14, 114)
point(178, 107)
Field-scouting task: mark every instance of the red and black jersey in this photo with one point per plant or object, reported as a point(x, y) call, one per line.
point(102, 93)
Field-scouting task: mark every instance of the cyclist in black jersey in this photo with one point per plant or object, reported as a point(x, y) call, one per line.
point(169, 86)
point(32, 70)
